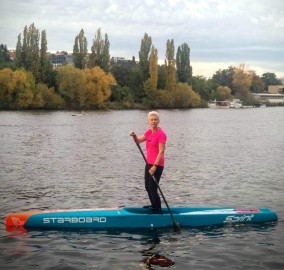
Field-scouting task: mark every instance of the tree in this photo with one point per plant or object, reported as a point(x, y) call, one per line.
point(72, 86)
point(45, 64)
point(270, 79)
point(80, 50)
point(184, 71)
point(144, 54)
point(6, 88)
point(4, 57)
point(100, 52)
point(46, 97)
point(184, 97)
point(223, 93)
point(170, 64)
point(242, 79)
point(224, 78)
point(28, 53)
point(106, 55)
point(19, 52)
point(257, 84)
point(153, 68)
point(201, 86)
point(161, 77)
point(98, 84)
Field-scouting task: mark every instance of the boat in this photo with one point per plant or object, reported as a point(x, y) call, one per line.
point(138, 218)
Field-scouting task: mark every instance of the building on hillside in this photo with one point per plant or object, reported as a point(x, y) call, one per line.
point(276, 89)
point(60, 58)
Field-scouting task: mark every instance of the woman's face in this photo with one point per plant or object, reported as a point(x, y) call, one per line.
point(153, 121)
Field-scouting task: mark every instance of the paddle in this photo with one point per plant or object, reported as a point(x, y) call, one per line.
point(175, 223)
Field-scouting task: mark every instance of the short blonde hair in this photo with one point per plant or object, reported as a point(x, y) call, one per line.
point(153, 113)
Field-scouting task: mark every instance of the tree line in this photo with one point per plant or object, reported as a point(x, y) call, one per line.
point(30, 82)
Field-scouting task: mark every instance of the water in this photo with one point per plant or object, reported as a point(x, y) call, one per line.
point(53, 160)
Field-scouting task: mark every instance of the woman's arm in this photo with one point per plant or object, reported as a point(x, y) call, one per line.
point(138, 139)
point(162, 147)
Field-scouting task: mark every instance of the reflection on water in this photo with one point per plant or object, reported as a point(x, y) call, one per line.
point(53, 160)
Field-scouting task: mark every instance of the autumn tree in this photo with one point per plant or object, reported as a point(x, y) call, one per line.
point(170, 64)
point(153, 68)
point(6, 88)
point(144, 54)
point(98, 84)
point(16, 89)
point(184, 97)
point(184, 72)
point(100, 52)
point(80, 50)
point(223, 93)
point(242, 79)
point(72, 86)
point(87, 88)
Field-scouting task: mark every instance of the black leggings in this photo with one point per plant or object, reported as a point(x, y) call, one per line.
point(152, 187)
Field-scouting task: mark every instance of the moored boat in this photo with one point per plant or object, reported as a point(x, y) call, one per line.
point(138, 217)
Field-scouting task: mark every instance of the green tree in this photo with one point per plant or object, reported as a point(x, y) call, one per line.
point(224, 78)
point(4, 57)
point(170, 64)
point(184, 71)
point(257, 84)
point(106, 55)
point(144, 54)
point(28, 54)
point(129, 75)
point(45, 64)
point(162, 77)
point(202, 87)
point(19, 52)
point(100, 52)
point(80, 50)
point(270, 79)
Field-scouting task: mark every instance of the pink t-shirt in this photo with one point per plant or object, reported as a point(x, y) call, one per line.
point(152, 145)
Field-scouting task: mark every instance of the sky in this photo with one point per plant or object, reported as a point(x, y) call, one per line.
point(220, 33)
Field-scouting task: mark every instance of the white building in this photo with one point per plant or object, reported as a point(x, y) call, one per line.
point(271, 98)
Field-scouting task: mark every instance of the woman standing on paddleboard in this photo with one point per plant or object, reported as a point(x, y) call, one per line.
point(155, 139)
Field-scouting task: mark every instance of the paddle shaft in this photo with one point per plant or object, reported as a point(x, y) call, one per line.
point(175, 224)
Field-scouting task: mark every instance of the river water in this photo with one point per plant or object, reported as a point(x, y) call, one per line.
point(214, 157)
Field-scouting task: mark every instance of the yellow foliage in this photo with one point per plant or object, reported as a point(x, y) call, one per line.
point(242, 79)
point(16, 88)
point(98, 84)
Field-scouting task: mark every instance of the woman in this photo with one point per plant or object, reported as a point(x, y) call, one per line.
point(155, 139)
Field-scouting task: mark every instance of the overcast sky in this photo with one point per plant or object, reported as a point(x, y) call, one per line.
point(219, 33)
